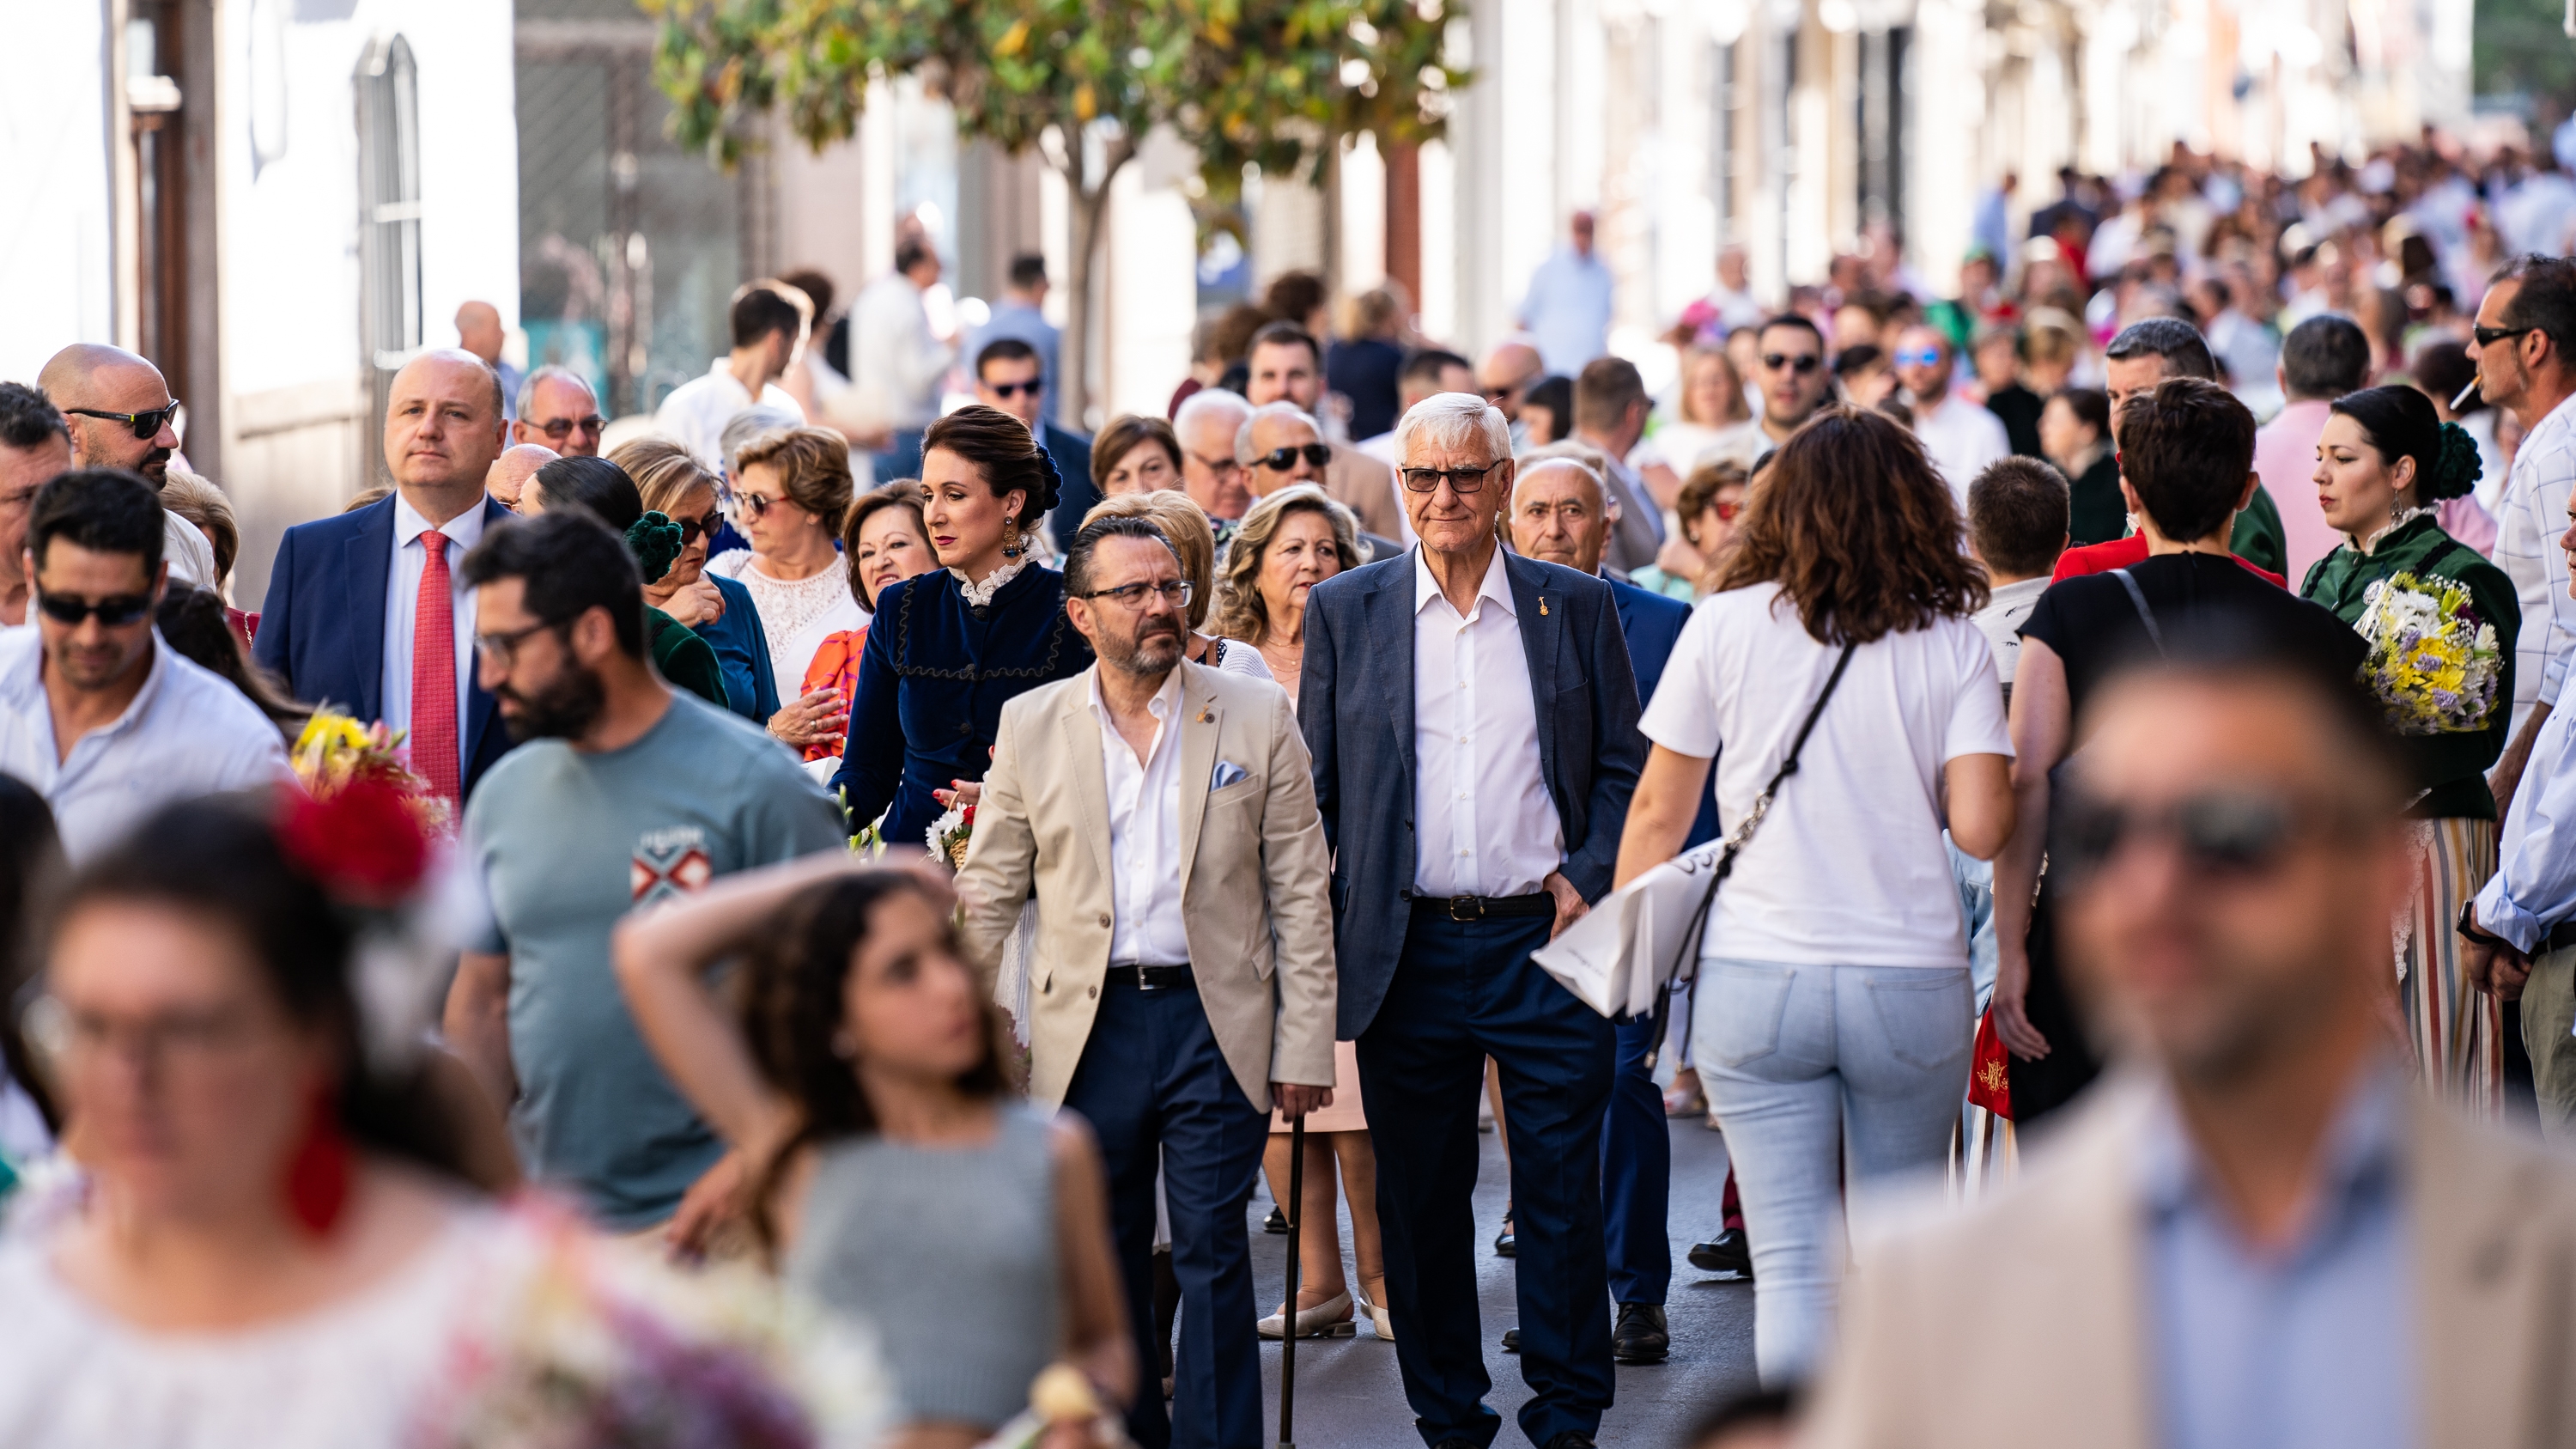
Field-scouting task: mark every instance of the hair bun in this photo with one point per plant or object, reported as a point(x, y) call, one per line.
point(1053, 492)
point(2456, 464)
point(655, 541)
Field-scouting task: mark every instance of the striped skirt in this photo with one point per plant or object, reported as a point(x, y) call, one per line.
point(2456, 1029)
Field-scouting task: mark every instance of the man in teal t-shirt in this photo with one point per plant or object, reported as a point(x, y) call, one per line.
point(623, 792)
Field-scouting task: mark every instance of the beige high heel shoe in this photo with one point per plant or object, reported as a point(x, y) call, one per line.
point(1328, 1319)
point(1379, 1319)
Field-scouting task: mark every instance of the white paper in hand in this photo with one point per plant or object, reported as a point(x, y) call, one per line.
point(1620, 954)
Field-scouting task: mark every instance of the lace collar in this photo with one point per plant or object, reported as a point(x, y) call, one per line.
point(2370, 543)
point(980, 596)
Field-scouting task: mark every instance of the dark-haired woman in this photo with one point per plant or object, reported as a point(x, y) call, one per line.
point(602, 488)
point(2075, 433)
point(197, 623)
point(899, 1179)
point(1833, 1008)
point(31, 855)
point(2441, 622)
point(279, 1242)
point(949, 648)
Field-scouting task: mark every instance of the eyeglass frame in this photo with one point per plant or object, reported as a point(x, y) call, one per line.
point(1450, 476)
point(503, 648)
point(46, 602)
point(564, 427)
point(2490, 336)
point(159, 418)
point(1034, 387)
point(1280, 460)
point(1801, 364)
point(1131, 597)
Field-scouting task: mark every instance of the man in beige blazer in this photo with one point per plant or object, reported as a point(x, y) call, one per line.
point(2259, 1231)
point(1183, 981)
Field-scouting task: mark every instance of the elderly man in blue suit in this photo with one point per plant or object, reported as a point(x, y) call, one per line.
point(1473, 723)
point(357, 600)
point(1561, 514)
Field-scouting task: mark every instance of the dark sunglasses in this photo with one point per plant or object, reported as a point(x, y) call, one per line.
point(561, 426)
point(1465, 482)
point(1007, 390)
point(2231, 836)
point(115, 611)
point(2489, 336)
point(1802, 364)
point(1280, 460)
point(693, 529)
point(145, 425)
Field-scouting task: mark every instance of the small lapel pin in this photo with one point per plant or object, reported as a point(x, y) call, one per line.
point(1542, 606)
point(1207, 716)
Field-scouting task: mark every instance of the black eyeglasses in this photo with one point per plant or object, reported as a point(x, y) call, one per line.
point(1802, 363)
point(1009, 390)
point(115, 611)
point(2489, 336)
point(503, 648)
point(2232, 836)
point(1218, 466)
point(560, 426)
point(1174, 592)
point(1462, 481)
point(145, 425)
point(1280, 460)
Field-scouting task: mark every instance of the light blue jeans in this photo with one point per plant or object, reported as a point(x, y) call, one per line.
point(1800, 1064)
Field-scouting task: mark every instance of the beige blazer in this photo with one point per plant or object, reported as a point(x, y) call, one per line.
point(1255, 888)
point(1367, 487)
point(2020, 1324)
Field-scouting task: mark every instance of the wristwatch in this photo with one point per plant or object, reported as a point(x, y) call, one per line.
point(2469, 927)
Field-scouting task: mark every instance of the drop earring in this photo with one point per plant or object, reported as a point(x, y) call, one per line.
point(1012, 547)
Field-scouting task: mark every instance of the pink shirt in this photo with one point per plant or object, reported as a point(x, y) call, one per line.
point(2285, 457)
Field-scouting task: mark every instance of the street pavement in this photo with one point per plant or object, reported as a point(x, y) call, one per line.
point(1350, 1396)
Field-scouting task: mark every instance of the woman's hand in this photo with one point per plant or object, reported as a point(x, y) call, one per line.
point(695, 603)
point(819, 718)
point(2012, 993)
point(959, 792)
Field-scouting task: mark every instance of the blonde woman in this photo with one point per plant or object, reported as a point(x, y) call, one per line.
point(1710, 401)
point(1289, 542)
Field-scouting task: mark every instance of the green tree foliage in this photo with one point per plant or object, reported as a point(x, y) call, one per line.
point(1277, 83)
point(2522, 45)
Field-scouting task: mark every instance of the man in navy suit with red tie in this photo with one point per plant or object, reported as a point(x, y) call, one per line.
point(364, 612)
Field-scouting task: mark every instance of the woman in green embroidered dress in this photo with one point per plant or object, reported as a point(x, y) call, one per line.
point(2441, 622)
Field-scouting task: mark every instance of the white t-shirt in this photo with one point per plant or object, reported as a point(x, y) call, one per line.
point(1849, 868)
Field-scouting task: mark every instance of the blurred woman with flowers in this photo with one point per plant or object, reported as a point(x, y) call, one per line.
point(897, 1176)
point(2440, 621)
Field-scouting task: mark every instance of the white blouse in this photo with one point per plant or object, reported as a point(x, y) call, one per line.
point(797, 615)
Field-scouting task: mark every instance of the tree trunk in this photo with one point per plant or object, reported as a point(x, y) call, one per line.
point(1090, 218)
point(1328, 179)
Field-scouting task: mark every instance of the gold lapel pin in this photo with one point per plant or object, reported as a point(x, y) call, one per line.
point(1207, 716)
point(1542, 606)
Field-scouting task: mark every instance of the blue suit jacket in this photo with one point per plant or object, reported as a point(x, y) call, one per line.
point(1355, 706)
point(1072, 454)
point(323, 628)
point(1653, 623)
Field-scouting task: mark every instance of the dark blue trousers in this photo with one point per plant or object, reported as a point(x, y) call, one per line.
point(1464, 991)
point(1158, 1093)
point(1637, 1172)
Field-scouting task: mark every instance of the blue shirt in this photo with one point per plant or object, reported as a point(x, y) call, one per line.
point(1568, 310)
point(2307, 1345)
point(2534, 887)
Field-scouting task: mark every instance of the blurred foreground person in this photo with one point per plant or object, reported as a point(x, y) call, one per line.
point(896, 1177)
point(2256, 1233)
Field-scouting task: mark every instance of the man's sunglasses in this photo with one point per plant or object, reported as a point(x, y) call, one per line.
point(1919, 357)
point(115, 611)
point(1009, 390)
point(2489, 336)
point(1464, 482)
point(1802, 363)
point(1280, 460)
point(2236, 835)
point(561, 426)
point(145, 425)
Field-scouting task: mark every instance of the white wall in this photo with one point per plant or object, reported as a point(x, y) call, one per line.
point(56, 244)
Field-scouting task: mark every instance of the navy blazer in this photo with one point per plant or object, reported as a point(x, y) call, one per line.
point(323, 627)
point(1076, 494)
point(1355, 706)
point(1653, 624)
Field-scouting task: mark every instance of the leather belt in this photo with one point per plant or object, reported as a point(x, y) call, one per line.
point(2561, 937)
point(1477, 908)
point(1151, 978)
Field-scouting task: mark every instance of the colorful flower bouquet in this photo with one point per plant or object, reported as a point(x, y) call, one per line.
point(947, 835)
point(335, 751)
point(2433, 665)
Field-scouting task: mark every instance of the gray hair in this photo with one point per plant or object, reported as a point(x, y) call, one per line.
point(1196, 408)
point(1243, 432)
point(1453, 420)
point(748, 424)
point(551, 373)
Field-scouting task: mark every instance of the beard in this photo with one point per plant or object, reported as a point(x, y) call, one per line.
point(155, 466)
point(564, 709)
point(1155, 648)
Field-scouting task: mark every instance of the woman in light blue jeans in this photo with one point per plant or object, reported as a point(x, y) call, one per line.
point(1832, 1014)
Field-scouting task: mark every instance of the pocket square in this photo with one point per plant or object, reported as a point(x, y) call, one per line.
point(1227, 772)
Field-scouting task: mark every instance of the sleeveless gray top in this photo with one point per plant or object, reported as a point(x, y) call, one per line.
point(949, 1253)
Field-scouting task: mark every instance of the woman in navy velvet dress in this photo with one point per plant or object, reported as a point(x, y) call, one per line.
point(947, 649)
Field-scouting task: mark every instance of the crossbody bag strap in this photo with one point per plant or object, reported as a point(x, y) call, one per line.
point(1753, 820)
point(2138, 601)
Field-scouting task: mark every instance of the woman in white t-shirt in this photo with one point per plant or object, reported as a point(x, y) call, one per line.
point(1833, 1003)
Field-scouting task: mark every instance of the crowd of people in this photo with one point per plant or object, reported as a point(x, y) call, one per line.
point(942, 862)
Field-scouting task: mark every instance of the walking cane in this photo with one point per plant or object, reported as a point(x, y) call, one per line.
point(1288, 1340)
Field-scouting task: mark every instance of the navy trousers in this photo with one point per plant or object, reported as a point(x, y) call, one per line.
point(1464, 991)
point(1637, 1172)
point(1158, 1093)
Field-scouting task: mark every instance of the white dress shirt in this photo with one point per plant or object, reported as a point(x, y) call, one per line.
point(695, 413)
point(1145, 832)
point(2533, 515)
point(1483, 820)
point(402, 599)
point(1962, 438)
point(188, 733)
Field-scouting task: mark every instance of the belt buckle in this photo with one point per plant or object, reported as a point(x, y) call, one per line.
point(1143, 982)
point(1464, 909)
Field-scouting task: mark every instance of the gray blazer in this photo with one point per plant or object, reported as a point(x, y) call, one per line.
point(1355, 707)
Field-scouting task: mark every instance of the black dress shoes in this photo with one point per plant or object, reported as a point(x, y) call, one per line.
point(1727, 1254)
point(1276, 1223)
point(1571, 1439)
point(1511, 1340)
point(1505, 1244)
point(1640, 1336)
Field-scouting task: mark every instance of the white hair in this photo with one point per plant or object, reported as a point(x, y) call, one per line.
point(1243, 433)
point(1207, 401)
point(1453, 420)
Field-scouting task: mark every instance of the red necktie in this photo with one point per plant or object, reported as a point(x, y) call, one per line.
point(433, 674)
